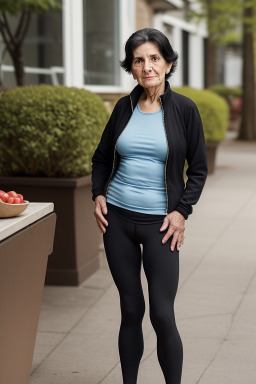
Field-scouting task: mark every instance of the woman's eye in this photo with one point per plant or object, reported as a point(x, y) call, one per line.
point(137, 61)
point(155, 58)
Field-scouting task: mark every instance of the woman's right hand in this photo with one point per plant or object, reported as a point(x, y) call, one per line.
point(99, 209)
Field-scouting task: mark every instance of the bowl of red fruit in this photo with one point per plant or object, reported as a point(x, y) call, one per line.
point(11, 204)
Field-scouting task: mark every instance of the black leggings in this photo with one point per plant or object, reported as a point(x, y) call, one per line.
point(125, 232)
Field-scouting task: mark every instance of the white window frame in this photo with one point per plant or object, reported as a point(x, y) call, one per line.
point(72, 14)
point(176, 3)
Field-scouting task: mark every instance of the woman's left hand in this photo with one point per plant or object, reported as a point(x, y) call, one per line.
point(176, 222)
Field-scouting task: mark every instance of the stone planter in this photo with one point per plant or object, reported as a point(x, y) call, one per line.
point(211, 150)
point(76, 248)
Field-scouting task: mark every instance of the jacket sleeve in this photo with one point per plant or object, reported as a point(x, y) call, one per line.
point(102, 159)
point(197, 162)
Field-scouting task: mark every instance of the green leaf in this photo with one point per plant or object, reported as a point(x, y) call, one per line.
point(15, 6)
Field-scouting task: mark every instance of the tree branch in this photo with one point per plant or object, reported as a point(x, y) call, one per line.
point(7, 42)
point(20, 25)
point(8, 29)
point(25, 29)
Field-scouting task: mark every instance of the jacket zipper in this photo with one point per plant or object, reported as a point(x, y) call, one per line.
point(109, 180)
point(166, 158)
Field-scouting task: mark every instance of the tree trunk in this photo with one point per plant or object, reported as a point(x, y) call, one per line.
point(248, 121)
point(18, 62)
point(211, 68)
point(14, 41)
point(211, 50)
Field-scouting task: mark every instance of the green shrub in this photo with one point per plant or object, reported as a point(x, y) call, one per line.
point(49, 130)
point(214, 111)
point(226, 92)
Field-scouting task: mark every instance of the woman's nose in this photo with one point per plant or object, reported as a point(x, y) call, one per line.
point(147, 66)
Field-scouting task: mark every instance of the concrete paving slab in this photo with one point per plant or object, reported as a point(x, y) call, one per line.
point(198, 353)
point(233, 363)
point(61, 317)
point(46, 342)
point(210, 325)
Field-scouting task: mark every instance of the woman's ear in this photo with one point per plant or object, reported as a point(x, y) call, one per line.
point(168, 69)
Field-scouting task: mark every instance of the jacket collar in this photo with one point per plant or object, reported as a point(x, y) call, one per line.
point(138, 89)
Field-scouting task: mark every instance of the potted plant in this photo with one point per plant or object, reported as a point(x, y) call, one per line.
point(48, 135)
point(214, 111)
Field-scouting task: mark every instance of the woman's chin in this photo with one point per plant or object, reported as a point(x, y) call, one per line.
point(148, 83)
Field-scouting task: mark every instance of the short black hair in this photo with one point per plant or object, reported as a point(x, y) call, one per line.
point(155, 36)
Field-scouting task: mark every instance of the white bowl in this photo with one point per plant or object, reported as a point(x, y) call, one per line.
point(11, 210)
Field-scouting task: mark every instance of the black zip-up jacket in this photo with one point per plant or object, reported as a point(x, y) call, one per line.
point(185, 140)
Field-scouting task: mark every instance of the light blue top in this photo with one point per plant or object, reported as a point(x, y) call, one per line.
point(139, 183)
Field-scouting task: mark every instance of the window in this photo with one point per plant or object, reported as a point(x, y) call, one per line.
point(101, 42)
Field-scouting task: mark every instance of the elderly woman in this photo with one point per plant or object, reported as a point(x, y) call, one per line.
point(141, 198)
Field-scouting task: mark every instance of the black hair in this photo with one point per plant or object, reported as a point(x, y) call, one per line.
point(155, 36)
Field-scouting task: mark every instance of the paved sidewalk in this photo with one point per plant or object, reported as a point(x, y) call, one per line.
point(215, 304)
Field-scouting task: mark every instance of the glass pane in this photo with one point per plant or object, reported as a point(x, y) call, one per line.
point(42, 49)
point(101, 42)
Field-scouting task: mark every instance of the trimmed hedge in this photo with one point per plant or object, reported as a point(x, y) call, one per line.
point(214, 111)
point(49, 130)
point(226, 92)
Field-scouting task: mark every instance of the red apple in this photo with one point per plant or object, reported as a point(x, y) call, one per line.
point(5, 197)
point(20, 196)
point(12, 193)
point(2, 193)
point(16, 200)
point(10, 200)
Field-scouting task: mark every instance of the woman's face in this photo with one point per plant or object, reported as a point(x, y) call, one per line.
point(149, 66)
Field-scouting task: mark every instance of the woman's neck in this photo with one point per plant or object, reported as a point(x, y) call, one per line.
point(151, 95)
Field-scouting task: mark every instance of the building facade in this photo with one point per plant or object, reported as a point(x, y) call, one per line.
point(82, 44)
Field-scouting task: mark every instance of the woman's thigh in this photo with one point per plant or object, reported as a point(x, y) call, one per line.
point(161, 265)
point(123, 253)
